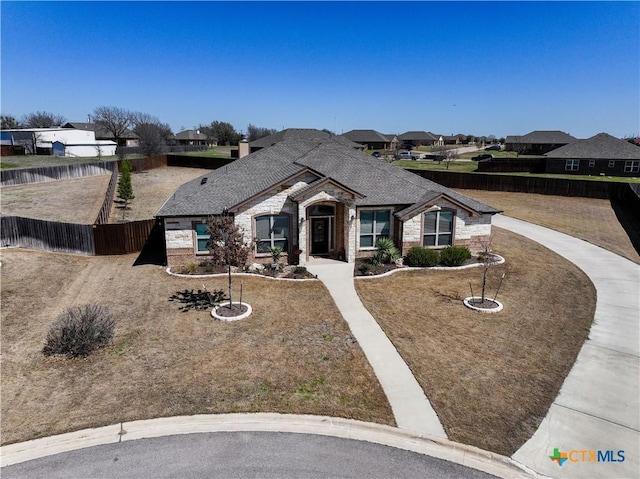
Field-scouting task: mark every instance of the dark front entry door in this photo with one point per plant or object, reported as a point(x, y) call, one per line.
point(320, 236)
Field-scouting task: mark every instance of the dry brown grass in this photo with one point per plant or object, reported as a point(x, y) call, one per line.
point(295, 354)
point(76, 200)
point(490, 377)
point(151, 189)
point(589, 219)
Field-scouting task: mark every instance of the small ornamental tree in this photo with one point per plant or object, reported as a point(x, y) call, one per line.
point(125, 189)
point(227, 245)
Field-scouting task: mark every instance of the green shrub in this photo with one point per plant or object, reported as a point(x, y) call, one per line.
point(386, 251)
point(300, 270)
point(419, 256)
point(364, 267)
point(454, 255)
point(80, 330)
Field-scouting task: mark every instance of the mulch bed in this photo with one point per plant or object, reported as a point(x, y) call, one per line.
point(230, 312)
point(486, 304)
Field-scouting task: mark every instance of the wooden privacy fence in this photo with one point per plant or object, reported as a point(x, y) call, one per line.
point(52, 173)
point(105, 239)
point(524, 184)
point(105, 209)
point(46, 235)
point(121, 238)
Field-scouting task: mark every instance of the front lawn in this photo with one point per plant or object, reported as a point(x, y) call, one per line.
point(589, 219)
point(456, 166)
point(490, 377)
point(286, 357)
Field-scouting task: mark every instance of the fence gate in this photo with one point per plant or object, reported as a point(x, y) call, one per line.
point(121, 238)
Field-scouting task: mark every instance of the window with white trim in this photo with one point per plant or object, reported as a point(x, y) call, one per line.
point(592, 163)
point(438, 228)
point(272, 231)
point(374, 224)
point(612, 163)
point(631, 166)
point(202, 237)
point(572, 165)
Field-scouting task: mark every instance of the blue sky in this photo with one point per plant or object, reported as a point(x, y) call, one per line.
point(448, 67)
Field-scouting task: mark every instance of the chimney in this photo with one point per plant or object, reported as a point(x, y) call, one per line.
point(243, 148)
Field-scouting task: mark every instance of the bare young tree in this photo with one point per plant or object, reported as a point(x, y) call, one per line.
point(113, 119)
point(42, 119)
point(442, 153)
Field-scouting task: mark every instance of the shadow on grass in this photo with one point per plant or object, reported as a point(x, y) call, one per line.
point(629, 220)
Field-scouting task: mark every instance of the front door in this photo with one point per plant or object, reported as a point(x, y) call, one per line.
point(319, 235)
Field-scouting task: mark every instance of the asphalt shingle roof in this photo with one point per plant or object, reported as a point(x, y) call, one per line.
point(365, 136)
point(600, 146)
point(417, 135)
point(545, 137)
point(380, 182)
point(190, 135)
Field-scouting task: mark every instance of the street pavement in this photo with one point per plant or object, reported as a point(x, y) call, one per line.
point(241, 454)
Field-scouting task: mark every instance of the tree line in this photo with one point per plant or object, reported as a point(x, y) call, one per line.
point(154, 135)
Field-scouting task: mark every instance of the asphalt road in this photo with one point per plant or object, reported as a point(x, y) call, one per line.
point(241, 455)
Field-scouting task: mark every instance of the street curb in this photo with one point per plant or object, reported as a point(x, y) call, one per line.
point(465, 455)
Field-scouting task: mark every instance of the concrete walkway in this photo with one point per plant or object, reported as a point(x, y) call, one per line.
point(598, 405)
point(411, 408)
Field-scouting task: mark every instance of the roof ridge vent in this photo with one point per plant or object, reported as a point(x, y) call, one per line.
point(204, 180)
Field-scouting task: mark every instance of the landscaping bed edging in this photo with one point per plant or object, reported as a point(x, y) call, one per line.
point(244, 315)
point(468, 302)
point(500, 260)
point(221, 275)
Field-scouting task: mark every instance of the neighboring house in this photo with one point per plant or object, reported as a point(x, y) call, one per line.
point(602, 154)
point(298, 134)
point(537, 142)
point(59, 142)
point(318, 197)
point(413, 139)
point(371, 139)
point(128, 138)
point(194, 138)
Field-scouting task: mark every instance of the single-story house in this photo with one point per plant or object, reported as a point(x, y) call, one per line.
point(602, 154)
point(128, 137)
point(412, 139)
point(537, 142)
point(297, 134)
point(371, 139)
point(318, 197)
point(193, 137)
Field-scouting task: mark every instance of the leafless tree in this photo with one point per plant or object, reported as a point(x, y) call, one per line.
point(257, 132)
point(153, 134)
point(445, 154)
point(8, 122)
point(42, 119)
point(113, 119)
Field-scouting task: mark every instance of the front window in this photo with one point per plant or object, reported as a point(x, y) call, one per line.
point(632, 166)
point(612, 163)
point(202, 237)
point(438, 228)
point(272, 231)
point(572, 165)
point(374, 224)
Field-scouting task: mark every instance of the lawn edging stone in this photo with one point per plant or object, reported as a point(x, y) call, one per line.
point(468, 302)
point(244, 315)
point(222, 275)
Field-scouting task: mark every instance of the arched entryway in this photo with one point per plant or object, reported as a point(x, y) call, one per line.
point(325, 236)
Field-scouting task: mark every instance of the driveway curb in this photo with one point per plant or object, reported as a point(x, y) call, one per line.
point(462, 454)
